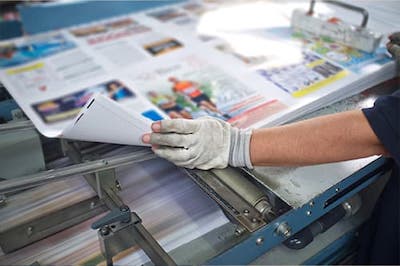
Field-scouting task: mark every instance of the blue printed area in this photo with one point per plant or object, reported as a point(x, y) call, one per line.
point(153, 115)
point(54, 16)
point(11, 55)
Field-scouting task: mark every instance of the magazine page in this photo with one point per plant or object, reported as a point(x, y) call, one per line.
point(123, 41)
point(252, 72)
point(257, 40)
point(42, 67)
point(183, 19)
point(51, 78)
point(192, 84)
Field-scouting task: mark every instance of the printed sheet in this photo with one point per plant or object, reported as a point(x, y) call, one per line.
point(180, 61)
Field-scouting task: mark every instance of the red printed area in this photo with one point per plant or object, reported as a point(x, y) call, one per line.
point(258, 113)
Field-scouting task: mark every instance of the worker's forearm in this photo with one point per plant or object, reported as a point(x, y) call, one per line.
point(330, 138)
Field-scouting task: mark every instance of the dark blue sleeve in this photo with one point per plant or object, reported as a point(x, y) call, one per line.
point(384, 118)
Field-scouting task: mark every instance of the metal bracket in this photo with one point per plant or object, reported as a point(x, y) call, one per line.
point(122, 229)
point(239, 209)
point(29, 232)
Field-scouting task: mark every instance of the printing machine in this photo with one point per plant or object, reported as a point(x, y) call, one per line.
point(304, 215)
point(270, 210)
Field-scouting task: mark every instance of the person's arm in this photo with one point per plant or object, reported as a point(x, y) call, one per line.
point(213, 143)
point(330, 138)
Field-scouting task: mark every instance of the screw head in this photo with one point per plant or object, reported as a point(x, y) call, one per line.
point(337, 189)
point(104, 230)
point(239, 231)
point(308, 213)
point(311, 203)
point(283, 229)
point(246, 211)
point(118, 185)
point(3, 200)
point(260, 241)
point(29, 230)
point(124, 208)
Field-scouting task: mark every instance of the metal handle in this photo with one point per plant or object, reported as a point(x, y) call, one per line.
point(358, 9)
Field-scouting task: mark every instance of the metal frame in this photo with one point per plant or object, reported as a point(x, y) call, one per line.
point(32, 231)
point(293, 221)
point(100, 175)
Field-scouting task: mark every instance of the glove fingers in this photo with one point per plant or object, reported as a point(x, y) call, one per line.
point(184, 126)
point(175, 155)
point(171, 139)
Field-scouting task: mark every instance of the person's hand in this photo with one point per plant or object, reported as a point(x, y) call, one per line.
point(204, 143)
point(393, 45)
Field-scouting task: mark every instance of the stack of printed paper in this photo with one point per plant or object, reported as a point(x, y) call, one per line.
point(183, 61)
point(173, 209)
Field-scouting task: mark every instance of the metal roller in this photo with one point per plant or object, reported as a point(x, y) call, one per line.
point(246, 189)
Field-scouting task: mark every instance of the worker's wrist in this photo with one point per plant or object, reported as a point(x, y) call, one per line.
point(239, 150)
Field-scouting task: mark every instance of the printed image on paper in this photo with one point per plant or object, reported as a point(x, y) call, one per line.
point(192, 89)
point(166, 14)
point(162, 46)
point(68, 106)
point(36, 48)
point(108, 31)
point(345, 56)
point(304, 77)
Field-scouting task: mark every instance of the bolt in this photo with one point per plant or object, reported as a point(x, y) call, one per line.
point(283, 229)
point(311, 203)
point(3, 201)
point(308, 213)
point(239, 231)
point(29, 231)
point(124, 208)
point(259, 241)
point(246, 212)
point(118, 185)
point(337, 190)
point(104, 230)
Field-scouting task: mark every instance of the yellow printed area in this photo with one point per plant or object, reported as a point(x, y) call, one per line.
point(322, 83)
point(62, 116)
point(25, 68)
point(316, 63)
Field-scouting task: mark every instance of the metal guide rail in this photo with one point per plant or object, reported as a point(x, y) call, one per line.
point(100, 175)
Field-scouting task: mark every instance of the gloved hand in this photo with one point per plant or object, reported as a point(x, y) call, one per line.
point(204, 143)
point(393, 45)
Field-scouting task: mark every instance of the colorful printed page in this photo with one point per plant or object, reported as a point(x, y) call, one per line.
point(191, 85)
point(253, 72)
point(52, 78)
point(306, 76)
point(123, 41)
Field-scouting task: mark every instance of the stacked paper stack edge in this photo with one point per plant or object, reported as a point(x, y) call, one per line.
point(171, 206)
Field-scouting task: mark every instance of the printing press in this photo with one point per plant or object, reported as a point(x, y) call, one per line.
point(60, 195)
point(65, 202)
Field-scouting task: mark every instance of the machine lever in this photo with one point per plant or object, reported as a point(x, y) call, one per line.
point(123, 214)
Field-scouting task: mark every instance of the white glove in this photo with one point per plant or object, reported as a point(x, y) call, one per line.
point(204, 143)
